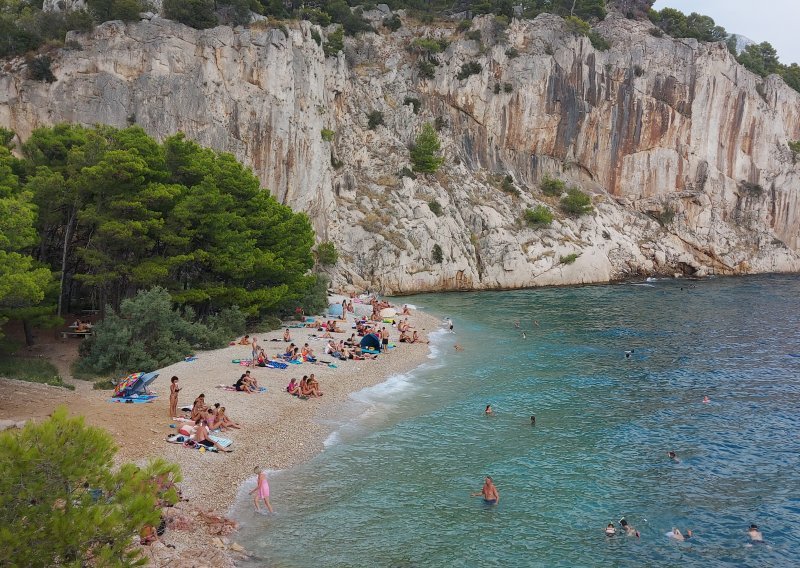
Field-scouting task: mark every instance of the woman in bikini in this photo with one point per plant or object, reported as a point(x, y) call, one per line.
point(199, 407)
point(173, 397)
point(313, 387)
point(224, 421)
point(293, 388)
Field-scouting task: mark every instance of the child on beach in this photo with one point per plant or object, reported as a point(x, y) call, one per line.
point(173, 397)
point(261, 489)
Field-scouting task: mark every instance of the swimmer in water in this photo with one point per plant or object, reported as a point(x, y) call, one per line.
point(488, 492)
point(673, 456)
point(533, 421)
point(630, 530)
point(629, 353)
point(516, 324)
point(488, 411)
point(755, 534)
point(706, 400)
point(676, 534)
point(524, 336)
point(611, 530)
point(457, 347)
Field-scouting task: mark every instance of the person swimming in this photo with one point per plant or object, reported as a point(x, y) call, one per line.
point(533, 420)
point(673, 456)
point(677, 535)
point(706, 400)
point(611, 530)
point(629, 529)
point(629, 353)
point(488, 411)
point(755, 534)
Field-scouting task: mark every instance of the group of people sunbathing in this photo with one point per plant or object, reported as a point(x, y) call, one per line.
point(307, 387)
point(247, 383)
point(205, 419)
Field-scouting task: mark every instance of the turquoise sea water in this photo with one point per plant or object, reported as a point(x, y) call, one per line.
point(392, 487)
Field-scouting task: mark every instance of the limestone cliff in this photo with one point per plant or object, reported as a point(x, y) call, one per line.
point(651, 128)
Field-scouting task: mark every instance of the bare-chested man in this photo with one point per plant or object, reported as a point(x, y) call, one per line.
point(488, 492)
point(201, 437)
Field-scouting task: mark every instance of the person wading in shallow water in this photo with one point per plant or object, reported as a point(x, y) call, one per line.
point(488, 492)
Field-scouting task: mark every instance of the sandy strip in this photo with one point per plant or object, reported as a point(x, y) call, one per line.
point(278, 430)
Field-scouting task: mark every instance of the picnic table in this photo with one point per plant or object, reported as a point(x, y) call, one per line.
point(75, 333)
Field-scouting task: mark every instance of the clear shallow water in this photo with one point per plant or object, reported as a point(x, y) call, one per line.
point(392, 488)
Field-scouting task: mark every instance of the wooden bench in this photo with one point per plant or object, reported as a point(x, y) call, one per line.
point(82, 334)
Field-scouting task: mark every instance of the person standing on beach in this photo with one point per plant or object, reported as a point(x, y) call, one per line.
point(254, 355)
point(489, 492)
point(173, 397)
point(384, 339)
point(261, 490)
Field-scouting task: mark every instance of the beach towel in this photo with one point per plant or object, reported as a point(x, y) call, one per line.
point(370, 351)
point(224, 442)
point(190, 359)
point(130, 400)
point(233, 389)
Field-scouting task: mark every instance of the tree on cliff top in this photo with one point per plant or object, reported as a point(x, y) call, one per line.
point(62, 505)
point(197, 14)
point(424, 151)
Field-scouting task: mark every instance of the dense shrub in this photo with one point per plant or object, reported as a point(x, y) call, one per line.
point(568, 259)
point(406, 172)
point(424, 151)
point(327, 135)
point(794, 147)
point(125, 10)
point(552, 187)
point(512, 52)
point(436, 254)
point(426, 69)
point(334, 44)
point(326, 253)
point(198, 14)
point(63, 502)
point(374, 119)
point(436, 207)
point(393, 22)
point(474, 35)
point(39, 69)
point(469, 68)
point(149, 333)
point(315, 36)
point(464, 25)
point(539, 216)
point(599, 42)
point(507, 186)
point(576, 203)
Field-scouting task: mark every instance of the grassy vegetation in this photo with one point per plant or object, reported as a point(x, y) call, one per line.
point(33, 370)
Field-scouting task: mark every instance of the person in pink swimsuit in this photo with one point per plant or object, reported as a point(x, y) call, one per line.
point(261, 490)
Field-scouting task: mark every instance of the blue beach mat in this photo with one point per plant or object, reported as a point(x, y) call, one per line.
point(224, 442)
point(131, 400)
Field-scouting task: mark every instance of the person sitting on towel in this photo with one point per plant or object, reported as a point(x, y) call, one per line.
point(201, 437)
point(199, 407)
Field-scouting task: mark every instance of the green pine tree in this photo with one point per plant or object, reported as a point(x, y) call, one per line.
point(424, 151)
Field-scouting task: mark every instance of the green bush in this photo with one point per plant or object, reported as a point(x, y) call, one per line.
point(424, 151)
point(315, 16)
point(148, 333)
point(334, 44)
point(508, 87)
point(569, 259)
point(599, 42)
point(576, 203)
point(393, 22)
point(39, 69)
point(198, 14)
point(753, 189)
point(552, 187)
point(512, 52)
point(577, 26)
point(507, 186)
point(315, 36)
point(474, 35)
point(469, 68)
point(427, 70)
point(327, 135)
point(326, 253)
point(7, 138)
point(106, 10)
point(336, 163)
point(436, 207)
point(428, 46)
point(414, 102)
point(539, 216)
point(497, 88)
point(794, 147)
point(464, 25)
point(436, 254)
point(440, 123)
point(63, 502)
point(374, 119)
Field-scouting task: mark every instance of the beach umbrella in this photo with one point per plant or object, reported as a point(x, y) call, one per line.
point(371, 341)
point(388, 312)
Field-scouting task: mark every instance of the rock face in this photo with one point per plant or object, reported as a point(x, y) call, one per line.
point(653, 128)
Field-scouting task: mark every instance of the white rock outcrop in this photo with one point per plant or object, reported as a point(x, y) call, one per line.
point(653, 128)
